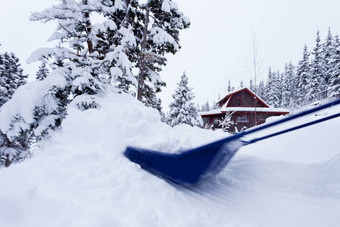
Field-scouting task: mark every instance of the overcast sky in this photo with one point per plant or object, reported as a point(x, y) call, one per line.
point(217, 47)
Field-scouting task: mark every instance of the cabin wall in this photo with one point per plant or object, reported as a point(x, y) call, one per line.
point(242, 120)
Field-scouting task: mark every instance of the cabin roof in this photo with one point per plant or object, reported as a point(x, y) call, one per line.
point(225, 108)
point(227, 96)
point(244, 109)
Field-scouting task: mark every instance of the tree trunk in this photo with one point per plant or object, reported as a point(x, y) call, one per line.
point(142, 59)
point(88, 28)
point(126, 18)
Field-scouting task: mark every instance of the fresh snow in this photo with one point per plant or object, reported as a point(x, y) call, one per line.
point(81, 178)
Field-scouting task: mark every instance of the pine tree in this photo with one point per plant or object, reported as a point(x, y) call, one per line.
point(251, 85)
point(272, 90)
point(76, 77)
point(161, 22)
point(11, 76)
point(205, 107)
point(334, 86)
point(261, 90)
point(303, 73)
point(289, 86)
point(42, 71)
point(229, 86)
point(117, 42)
point(280, 86)
point(327, 63)
point(182, 109)
point(316, 85)
point(241, 84)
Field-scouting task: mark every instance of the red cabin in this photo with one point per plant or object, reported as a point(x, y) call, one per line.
point(242, 109)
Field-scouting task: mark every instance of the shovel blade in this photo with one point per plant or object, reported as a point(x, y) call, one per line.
point(188, 167)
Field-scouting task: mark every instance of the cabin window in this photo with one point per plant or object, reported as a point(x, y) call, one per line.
point(242, 119)
point(216, 121)
point(205, 120)
point(238, 101)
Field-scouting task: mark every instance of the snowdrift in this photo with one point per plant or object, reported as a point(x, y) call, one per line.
point(81, 178)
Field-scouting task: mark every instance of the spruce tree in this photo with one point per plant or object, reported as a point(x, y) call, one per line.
point(11, 76)
point(289, 85)
point(117, 42)
point(241, 84)
point(327, 55)
point(229, 89)
point(205, 107)
point(303, 73)
point(316, 85)
point(261, 90)
point(251, 85)
point(272, 90)
point(75, 77)
point(281, 87)
point(161, 24)
point(334, 83)
point(42, 71)
point(183, 110)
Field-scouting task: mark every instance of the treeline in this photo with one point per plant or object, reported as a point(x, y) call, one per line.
point(315, 77)
point(11, 78)
point(123, 53)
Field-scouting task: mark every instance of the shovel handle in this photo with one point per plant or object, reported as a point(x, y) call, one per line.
point(292, 129)
point(295, 116)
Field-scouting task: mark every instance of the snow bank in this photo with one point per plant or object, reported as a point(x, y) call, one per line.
point(81, 178)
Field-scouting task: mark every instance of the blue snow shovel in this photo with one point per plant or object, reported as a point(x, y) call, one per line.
point(191, 166)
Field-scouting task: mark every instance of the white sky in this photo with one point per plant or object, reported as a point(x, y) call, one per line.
point(217, 47)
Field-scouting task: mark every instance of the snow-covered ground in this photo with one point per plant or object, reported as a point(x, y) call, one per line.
point(81, 178)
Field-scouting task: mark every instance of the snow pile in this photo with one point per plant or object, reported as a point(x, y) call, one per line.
point(81, 178)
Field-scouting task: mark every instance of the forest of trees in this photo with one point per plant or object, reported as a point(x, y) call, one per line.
point(315, 77)
point(124, 52)
point(11, 78)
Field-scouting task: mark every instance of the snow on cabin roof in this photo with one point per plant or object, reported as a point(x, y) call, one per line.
point(244, 109)
point(245, 88)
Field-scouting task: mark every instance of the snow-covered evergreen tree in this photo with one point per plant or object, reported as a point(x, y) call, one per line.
point(116, 42)
point(272, 90)
point(251, 85)
point(316, 85)
point(39, 108)
point(229, 89)
point(205, 107)
point(241, 84)
point(261, 90)
point(315, 77)
point(42, 71)
point(289, 86)
point(327, 55)
point(11, 76)
point(334, 81)
point(161, 22)
point(280, 86)
point(303, 73)
point(183, 110)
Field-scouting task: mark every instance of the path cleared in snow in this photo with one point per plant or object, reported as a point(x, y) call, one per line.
point(81, 178)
